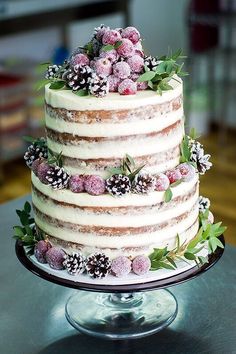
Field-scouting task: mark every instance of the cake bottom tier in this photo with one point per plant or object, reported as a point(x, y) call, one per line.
point(130, 225)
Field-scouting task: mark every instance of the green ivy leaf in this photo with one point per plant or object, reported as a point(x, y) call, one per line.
point(147, 76)
point(27, 207)
point(189, 256)
point(107, 47)
point(175, 184)
point(81, 93)
point(18, 230)
point(118, 44)
point(41, 83)
point(168, 195)
point(57, 85)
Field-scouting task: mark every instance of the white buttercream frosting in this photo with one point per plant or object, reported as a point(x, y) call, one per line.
point(68, 100)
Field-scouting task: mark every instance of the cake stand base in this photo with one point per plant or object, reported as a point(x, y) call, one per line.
point(121, 315)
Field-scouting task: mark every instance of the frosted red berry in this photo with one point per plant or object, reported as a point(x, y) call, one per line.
point(136, 63)
point(121, 70)
point(141, 265)
point(113, 83)
point(121, 266)
point(111, 37)
point(142, 85)
point(126, 48)
point(76, 183)
point(35, 165)
point(94, 185)
point(131, 33)
point(187, 171)
point(110, 55)
point(127, 87)
point(41, 249)
point(80, 59)
point(162, 182)
point(42, 171)
point(55, 257)
point(173, 175)
point(100, 32)
point(103, 67)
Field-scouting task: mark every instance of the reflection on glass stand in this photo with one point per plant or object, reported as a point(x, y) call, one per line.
point(120, 311)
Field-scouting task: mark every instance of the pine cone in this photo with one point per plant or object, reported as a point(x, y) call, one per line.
point(98, 86)
point(197, 155)
point(57, 177)
point(98, 265)
point(74, 263)
point(151, 63)
point(37, 150)
point(144, 183)
point(78, 77)
point(118, 185)
point(53, 71)
point(204, 203)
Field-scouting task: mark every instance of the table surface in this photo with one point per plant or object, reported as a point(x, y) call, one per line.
point(32, 316)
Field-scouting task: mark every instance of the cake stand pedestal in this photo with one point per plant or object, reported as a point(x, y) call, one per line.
point(120, 311)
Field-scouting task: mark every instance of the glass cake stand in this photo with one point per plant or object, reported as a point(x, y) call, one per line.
point(121, 311)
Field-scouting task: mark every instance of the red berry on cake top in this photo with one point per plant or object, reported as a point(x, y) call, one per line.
point(121, 70)
point(136, 63)
point(103, 67)
point(111, 37)
point(127, 87)
point(131, 33)
point(126, 48)
point(187, 171)
point(162, 182)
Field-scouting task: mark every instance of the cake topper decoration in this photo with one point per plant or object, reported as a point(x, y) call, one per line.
point(114, 61)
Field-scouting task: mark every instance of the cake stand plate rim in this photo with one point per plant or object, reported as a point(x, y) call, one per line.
point(144, 286)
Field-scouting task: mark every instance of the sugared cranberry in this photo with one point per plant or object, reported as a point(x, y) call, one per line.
point(173, 175)
point(121, 266)
point(113, 83)
point(121, 70)
point(55, 257)
point(136, 63)
point(162, 182)
point(131, 33)
point(141, 265)
point(187, 171)
point(41, 249)
point(80, 59)
point(76, 183)
point(126, 48)
point(111, 37)
point(94, 185)
point(127, 87)
point(103, 67)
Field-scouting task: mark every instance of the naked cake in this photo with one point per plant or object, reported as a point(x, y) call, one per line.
point(117, 180)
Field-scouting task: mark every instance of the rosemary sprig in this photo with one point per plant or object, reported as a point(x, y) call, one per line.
point(207, 235)
point(128, 168)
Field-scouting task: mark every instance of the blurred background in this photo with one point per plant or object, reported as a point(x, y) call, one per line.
point(32, 32)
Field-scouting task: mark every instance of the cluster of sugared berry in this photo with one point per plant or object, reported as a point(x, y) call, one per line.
point(97, 265)
point(111, 62)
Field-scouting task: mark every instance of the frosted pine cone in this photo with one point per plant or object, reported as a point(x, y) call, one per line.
point(53, 71)
point(74, 263)
point(36, 151)
point(197, 155)
point(78, 77)
point(57, 177)
point(98, 265)
point(150, 63)
point(98, 86)
point(118, 185)
point(204, 204)
point(144, 183)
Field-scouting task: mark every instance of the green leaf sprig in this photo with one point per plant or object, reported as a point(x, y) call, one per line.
point(169, 193)
point(168, 66)
point(108, 47)
point(26, 231)
point(55, 159)
point(208, 234)
point(127, 168)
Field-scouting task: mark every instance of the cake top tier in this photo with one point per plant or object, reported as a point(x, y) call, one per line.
point(113, 61)
point(112, 101)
